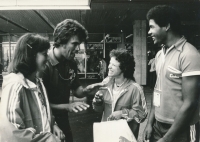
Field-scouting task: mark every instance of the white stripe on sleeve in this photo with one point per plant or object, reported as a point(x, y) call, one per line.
point(192, 73)
point(13, 105)
point(192, 133)
point(11, 99)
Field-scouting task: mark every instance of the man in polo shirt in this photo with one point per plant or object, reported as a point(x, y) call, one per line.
point(60, 75)
point(174, 114)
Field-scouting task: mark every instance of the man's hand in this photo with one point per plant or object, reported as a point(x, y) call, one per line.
point(77, 106)
point(116, 115)
point(92, 88)
point(98, 98)
point(147, 132)
point(73, 107)
point(58, 133)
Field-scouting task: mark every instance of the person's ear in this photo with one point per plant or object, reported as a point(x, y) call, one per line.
point(167, 26)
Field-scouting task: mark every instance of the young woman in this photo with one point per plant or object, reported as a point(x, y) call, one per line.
point(123, 97)
point(25, 113)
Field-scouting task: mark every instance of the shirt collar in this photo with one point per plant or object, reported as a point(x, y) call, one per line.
point(27, 83)
point(52, 57)
point(178, 45)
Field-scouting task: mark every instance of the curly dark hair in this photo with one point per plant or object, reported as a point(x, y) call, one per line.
point(163, 15)
point(66, 29)
point(126, 60)
point(24, 59)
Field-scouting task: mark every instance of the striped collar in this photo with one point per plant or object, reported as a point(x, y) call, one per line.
point(27, 83)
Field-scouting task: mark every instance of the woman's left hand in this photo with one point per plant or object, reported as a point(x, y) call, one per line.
point(116, 115)
point(58, 133)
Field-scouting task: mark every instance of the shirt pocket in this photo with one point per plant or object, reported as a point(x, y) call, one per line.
point(174, 74)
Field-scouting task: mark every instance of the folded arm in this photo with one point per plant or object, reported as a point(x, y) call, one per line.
point(138, 112)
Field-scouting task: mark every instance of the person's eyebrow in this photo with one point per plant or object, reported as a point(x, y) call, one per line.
point(150, 25)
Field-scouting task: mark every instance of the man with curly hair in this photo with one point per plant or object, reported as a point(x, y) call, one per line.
point(174, 113)
point(60, 75)
point(123, 97)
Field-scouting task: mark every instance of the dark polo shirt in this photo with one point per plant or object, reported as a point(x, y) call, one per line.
point(180, 60)
point(59, 78)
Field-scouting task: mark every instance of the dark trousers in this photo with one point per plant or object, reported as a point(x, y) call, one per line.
point(189, 134)
point(63, 124)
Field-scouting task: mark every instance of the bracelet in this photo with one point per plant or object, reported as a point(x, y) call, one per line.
point(125, 112)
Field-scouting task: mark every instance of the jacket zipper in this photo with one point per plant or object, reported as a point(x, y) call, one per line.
point(114, 103)
point(47, 102)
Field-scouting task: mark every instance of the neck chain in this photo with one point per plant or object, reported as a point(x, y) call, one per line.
point(120, 84)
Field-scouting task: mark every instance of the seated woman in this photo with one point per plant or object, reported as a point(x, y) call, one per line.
point(25, 113)
point(123, 97)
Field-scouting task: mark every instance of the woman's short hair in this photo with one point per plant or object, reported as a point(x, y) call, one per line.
point(163, 15)
point(126, 60)
point(27, 47)
point(66, 29)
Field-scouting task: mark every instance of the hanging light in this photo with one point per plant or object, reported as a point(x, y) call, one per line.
point(44, 4)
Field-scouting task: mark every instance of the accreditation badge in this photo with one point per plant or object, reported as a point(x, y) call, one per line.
point(156, 98)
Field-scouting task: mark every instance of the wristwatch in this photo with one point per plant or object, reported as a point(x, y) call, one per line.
point(125, 113)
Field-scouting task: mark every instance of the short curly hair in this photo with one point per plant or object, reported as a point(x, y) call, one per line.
point(163, 15)
point(126, 60)
point(66, 29)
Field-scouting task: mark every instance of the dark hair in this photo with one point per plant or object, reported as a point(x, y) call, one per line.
point(163, 15)
point(24, 60)
point(66, 29)
point(126, 60)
